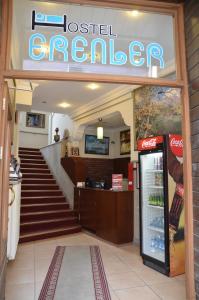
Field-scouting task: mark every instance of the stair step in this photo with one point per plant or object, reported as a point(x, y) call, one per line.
point(38, 181)
point(44, 210)
point(44, 215)
point(44, 199)
point(36, 170)
point(38, 187)
point(29, 153)
point(47, 224)
point(33, 161)
point(42, 234)
point(37, 176)
point(33, 166)
point(29, 149)
point(39, 207)
point(27, 156)
point(31, 193)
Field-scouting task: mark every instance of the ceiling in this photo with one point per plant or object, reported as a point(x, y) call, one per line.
point(48, 95)
point(111, 121)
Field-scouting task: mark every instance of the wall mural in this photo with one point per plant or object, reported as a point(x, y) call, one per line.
point(157, 111)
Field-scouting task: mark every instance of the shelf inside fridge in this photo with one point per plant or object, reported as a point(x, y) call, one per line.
point(155, 206)
point(156, 229)
point(154, 171)
point(155, 186)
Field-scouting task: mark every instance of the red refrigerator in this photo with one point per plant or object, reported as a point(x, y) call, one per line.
point(162, 203)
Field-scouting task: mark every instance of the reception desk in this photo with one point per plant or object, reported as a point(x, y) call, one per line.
point(108, 214)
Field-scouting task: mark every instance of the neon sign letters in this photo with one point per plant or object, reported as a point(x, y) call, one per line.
point(76, 49)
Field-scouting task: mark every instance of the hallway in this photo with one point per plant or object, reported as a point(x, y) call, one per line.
point(128, 278)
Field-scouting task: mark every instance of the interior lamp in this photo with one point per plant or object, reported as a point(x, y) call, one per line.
point(100, 130)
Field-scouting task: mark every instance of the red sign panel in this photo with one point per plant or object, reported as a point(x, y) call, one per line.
point(117, 182)
point(176, 144)
point(149, 143)
point(130, 177)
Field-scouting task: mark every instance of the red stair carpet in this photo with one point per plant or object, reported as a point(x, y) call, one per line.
point(44, 209)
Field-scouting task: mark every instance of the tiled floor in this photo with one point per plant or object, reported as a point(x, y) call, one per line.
point(128, 278)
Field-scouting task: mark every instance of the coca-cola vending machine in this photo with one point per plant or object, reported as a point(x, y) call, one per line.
point(162, 203)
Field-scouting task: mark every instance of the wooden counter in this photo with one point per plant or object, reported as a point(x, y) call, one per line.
point(107, 213)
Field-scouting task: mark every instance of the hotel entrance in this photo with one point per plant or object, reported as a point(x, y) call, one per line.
point(71, 44)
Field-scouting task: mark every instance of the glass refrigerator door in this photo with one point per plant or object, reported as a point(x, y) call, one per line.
point(152, 189)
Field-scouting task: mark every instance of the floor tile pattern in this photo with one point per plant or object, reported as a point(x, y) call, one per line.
point(127, 277)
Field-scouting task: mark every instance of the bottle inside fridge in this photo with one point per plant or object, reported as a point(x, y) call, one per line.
point(157, 243)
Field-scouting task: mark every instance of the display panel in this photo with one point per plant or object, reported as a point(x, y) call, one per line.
point(152, 204)
point(50, 36)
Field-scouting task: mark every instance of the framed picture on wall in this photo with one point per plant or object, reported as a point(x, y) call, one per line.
point(125, 142)
point(35, 120)
point(75, 151)
point(95, 146)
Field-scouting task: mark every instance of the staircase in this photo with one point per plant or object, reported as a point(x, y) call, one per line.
point(44, 210)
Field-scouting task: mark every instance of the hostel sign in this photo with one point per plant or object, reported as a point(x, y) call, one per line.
point(80, 42)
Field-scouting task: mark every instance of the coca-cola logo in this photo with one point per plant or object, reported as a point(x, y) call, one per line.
point(176, 145)
point(149, 143)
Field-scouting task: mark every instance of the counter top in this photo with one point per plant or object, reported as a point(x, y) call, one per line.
point(103, 190)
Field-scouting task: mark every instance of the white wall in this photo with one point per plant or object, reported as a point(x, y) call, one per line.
point(52, 155)
point(114, 148)
point(62, 122)
point(32, 140)
point(32, 137)
point(107, 133)
point(122, 104)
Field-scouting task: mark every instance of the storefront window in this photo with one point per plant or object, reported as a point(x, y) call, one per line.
point(78, 38)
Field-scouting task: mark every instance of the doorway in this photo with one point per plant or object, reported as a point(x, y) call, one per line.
point(179, 83)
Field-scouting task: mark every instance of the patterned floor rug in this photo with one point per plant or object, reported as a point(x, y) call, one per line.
point(76, 273)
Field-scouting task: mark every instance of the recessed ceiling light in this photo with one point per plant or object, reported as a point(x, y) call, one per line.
point(134, 13)
point(93, 86)
point(44, 102)
point(64, 105)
